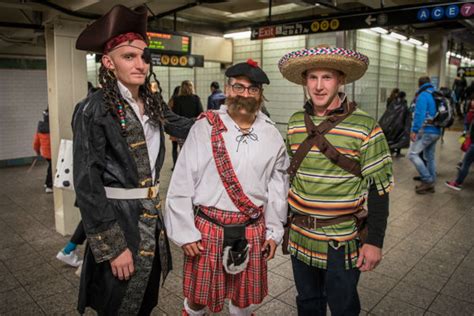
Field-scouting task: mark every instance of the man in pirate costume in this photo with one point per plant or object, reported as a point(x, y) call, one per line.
point(118, 154)
point(340, 164)
point(226, 203)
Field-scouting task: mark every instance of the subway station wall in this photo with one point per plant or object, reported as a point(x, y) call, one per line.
point(23, 97)
point(23, 86)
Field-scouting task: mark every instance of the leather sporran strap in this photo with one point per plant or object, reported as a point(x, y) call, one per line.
point(316, 137)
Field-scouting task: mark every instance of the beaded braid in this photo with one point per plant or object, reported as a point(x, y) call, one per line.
point(154, 103)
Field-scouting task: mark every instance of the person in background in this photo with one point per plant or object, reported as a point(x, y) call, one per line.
point(393, 95)
point(174, 140)
point(216, 99)
point(69, 253)
point(396, 123)
point(42, 147)
point(424, 136)
point(186, 104)
point(459, 87)
point(467, 161)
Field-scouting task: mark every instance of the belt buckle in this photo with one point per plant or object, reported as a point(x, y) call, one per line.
point(315, 223)
point(152, 192)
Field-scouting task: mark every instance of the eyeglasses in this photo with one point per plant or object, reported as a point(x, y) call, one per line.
point(238, 88)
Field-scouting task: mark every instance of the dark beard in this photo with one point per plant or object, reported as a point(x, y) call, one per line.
point(249, 104)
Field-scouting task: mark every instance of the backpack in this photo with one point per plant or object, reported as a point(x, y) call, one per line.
point(444, 116)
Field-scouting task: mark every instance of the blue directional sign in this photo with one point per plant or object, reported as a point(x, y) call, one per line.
point(452, 10)
point(423, 14)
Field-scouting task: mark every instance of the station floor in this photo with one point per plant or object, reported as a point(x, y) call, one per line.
point(428, 265)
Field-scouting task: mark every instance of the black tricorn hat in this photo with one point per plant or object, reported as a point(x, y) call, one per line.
point(250, 70)
point(119, 20)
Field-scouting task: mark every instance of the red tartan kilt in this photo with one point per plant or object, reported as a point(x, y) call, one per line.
point(205, 280)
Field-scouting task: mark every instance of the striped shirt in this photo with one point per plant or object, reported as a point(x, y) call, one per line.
point(324, 190)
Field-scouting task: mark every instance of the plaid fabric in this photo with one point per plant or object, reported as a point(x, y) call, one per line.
point(205, 281)
point(226, 170)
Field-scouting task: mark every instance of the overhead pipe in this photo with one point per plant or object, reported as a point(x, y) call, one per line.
point(56, 7)
point(36, 27)
point(170, 12)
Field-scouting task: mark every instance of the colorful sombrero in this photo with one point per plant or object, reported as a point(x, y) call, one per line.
point(353, 64)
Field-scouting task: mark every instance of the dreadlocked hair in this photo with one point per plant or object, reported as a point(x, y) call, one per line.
point(113, 100)
point(153, 101)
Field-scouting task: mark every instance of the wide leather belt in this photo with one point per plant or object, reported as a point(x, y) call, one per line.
point(311, 222)
point(132, 194)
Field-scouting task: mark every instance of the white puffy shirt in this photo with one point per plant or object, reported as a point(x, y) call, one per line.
point(260, 165)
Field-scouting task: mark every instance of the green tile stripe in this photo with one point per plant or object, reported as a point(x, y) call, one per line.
point(22, 63)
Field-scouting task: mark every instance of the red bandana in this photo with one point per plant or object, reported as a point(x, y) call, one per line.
point(119, 39)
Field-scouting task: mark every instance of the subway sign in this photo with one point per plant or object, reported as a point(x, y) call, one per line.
point(177, 60)
point(448, 11)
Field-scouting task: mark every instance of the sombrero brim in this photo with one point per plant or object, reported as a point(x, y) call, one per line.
point(119, 20)
point(293, 67)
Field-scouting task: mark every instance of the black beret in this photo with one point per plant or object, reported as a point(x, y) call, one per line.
point(250, 70)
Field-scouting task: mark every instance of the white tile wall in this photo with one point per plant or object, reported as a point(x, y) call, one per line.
point(23, 97)
point(204, 76)
point(365, 89)
point(401, 64)
point(284, 98)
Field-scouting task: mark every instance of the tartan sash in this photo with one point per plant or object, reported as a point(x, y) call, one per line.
point(226, 170)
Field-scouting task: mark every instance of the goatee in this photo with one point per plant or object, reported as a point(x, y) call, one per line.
point(249, 104)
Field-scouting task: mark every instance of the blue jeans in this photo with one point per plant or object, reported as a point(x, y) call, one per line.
point(466, 163)
point(425, 143)
point(335, 286)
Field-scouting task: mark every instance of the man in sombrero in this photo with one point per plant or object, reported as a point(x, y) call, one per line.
point(118, 154)
point(340, 164)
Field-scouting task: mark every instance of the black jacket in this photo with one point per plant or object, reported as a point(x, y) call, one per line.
point(187, 105)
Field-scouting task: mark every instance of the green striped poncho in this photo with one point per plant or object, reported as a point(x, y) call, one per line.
point(324, 190)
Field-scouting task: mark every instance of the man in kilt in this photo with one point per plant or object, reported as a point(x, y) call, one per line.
point(226, 203)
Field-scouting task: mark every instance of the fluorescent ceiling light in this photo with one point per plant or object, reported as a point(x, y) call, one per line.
point(415, 41)
point(458, 56)
point(398, 36)
point(238, 35)
point(380, 30)
point(388, 37)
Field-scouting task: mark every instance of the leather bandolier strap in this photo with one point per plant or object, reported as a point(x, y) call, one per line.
point(316, 137)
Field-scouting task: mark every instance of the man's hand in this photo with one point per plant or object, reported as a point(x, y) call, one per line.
point(369, 257)
point(122, 265)
point(269, 248)
point(413, 136)
point(193, 249)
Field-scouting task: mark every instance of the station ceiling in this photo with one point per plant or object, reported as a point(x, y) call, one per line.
point(22, 21)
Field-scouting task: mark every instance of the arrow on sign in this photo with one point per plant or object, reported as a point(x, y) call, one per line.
point(461, 72)
point(369, 20)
